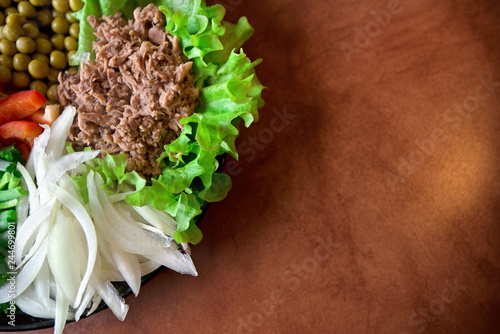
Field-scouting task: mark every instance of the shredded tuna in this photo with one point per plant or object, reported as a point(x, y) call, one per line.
point(132, 97)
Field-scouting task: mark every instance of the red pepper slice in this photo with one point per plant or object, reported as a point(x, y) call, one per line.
point(20, 105)
point(25, 150)
point(23, 130)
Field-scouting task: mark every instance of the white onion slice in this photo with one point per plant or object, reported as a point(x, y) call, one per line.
point(41, 285)
point(86, 300)
point(26, 276)
point(65, 164)
point(38, 150)
point(34, 202)
point(63, 257)
point(29, 228)
point(96, 300)
point(174, 260)
point(148, 267)
point(59, 132)
point(124, 225)
point(88, 227)
point(40, 237)
point(62, 306)
point(157, 218)
point(22, 210)
point(128, 266)
point(110, 296)
point(28, 302)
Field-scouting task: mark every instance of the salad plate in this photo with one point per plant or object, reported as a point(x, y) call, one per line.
point(151, 129)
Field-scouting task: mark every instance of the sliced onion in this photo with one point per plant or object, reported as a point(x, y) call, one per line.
point(62, 306)
point(63, 257)
point(25, 276)
point(28, 302)
point(25, 233)
point(86, 301)
point(65, 164)
point(128, 265)
point(148, 267)
point(157, 218)
point(40, 237)
point(85, 221)
point(174, 260)
point(34, 202)
point(22, 210)
point(110, 296)
point(122, 222)
point(41, 285)
point(38, 151)
point(96, 300)
point(107, 229)
point(59, 132)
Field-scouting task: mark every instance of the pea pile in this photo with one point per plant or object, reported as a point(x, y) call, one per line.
point(37, 37)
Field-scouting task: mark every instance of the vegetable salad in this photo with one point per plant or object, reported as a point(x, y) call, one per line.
point(85, 222)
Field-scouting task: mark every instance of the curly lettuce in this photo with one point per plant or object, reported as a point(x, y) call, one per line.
point(230, 92)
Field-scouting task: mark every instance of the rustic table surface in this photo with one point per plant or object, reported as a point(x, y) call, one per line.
point(367, 198)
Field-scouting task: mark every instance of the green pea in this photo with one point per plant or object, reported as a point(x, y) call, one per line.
point(39, 3)
point(6, 61)
point(41, 57)
point(20, 80)
point(58, 60)
point(7, 47)
point(70, 43)
point(2, 18)
point(76, 5)
point(20, 62)
point(5, 75)
point(38, 69)
point(31, 30)
point(56, 13)
point(59, 25)
point(5, 3)
point(15, 18)
point(57, 41)
point(43, 17)
point(25, 45)
point(51, 92)
point(39, 86)
point(74, 29)
point(70, 18)
point(12, 31)
point(1, 33)
point(69, 54)
point(53, 74)
point(10, 10)
point(61, 5)
point(26, 9)
point(43, 46)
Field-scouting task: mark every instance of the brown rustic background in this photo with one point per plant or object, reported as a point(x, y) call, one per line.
point(367, 198)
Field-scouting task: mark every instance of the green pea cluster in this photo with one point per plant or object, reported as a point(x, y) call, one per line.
point(37, 38)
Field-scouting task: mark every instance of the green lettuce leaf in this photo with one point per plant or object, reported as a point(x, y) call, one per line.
point(230, 92)
point(112, 170)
